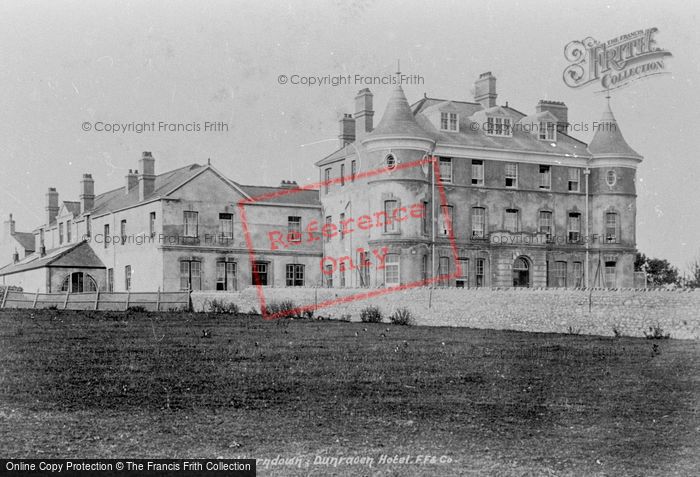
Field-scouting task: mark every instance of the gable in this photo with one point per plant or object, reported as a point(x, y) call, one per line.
point(210, 187)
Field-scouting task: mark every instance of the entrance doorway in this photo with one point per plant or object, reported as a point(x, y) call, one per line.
point(521, 273)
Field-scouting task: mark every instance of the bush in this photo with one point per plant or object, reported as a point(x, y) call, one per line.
point(136, 309)
point(402, 316)
point(656, 333)
point(283, 306)
point(345, 317)
point(371, 314)
point(221, 307)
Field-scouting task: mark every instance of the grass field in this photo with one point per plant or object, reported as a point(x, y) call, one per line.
point(493, 402)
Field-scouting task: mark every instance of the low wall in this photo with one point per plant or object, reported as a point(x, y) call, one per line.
point(630, 311)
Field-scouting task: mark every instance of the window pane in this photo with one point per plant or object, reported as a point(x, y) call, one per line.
point(446, 169)
point(390, 224)
point(478, 222)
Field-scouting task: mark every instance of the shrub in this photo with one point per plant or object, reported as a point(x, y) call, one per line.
point(617, 332)
point(221, 307)
point(402, 316)
point(283, 306)
point(136, 309)
point(656, 333)
point(371, 314)
point(345, 317)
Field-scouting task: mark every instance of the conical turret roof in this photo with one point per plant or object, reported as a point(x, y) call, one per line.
point(608, 137)
point(398, 119)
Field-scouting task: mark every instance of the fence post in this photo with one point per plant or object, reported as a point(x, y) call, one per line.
point(4, 297)
point(36, 296)
point(97, 298)
point(128, 296)
point(158, 300)
point(65, 302)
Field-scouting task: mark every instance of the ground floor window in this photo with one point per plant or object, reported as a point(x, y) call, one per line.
point(190, 275)
point(559, 275)
point(79, 282)
point(444, 270)
point(577, 272)
point(295, 275)
point(226, 275)
point(110, 279)
point(610, 274)
point(260, 273)
point(328, 274)
point(479, 272)
point(127, 277)
point(391, 270)
point(463, 280)
point(341, 272)
point(424, 268)
point(363, 268)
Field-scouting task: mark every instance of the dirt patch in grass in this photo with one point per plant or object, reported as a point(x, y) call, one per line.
point(198, 385)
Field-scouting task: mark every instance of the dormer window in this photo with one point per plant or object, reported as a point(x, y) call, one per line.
point(497, 126)
point(449, 122)
point(547, 131)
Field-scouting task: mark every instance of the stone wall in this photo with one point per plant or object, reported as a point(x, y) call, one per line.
point(630, 311)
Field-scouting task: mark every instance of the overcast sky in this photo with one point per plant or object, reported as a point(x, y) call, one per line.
point(65, 63)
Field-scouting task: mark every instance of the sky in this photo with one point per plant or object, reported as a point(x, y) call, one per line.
point(63, 64)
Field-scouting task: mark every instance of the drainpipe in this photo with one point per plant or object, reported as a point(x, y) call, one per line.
point(586, 173)
point(433, 216)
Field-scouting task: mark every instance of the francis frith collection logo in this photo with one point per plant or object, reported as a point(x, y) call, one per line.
point(616, 62)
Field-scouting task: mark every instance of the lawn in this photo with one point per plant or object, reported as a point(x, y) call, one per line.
point(482, 402)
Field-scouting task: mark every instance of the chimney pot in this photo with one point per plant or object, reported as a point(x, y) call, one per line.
point(132, 180)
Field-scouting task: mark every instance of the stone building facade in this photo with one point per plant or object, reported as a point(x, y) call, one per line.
point(528, 205)
point(524, 203)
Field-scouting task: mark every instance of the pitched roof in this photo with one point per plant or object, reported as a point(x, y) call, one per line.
point(608, 137)
point(118, 199)
point(72, 206)
point(78, 255)
point(282, 195)
point(25, 239)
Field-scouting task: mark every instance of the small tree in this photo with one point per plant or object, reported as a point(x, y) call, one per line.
point(692, 280)
point(658, 271)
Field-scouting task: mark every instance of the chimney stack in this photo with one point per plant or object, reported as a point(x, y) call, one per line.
point(147, 178)
point(9, 227)
point(485, 90)
point(289, 184)
point(87, 193)
point(132, 180)
point(51, 206)
point(364, 114)
point(347, 130)
point(558, 109)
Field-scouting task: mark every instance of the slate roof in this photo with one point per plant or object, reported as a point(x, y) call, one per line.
point(78, 255)
point(398, 119)
point(278, 195)
point(73, 207)
point(117, 199)
point(25, 239)
point(608, 137)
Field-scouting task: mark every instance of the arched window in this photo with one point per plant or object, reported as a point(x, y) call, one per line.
point(79, 282)
point(611, 177)
point(521, 272)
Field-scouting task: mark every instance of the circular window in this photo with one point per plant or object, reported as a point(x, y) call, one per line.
point(611, 178)
point(390, 161)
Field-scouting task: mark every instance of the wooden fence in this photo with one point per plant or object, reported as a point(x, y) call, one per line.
point(151, 301)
